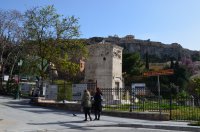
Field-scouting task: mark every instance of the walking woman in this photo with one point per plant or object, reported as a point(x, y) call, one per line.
point(86, 104)
point(98, 103)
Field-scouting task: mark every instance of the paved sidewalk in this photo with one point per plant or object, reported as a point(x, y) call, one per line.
point(69, 120)
point(137, 123)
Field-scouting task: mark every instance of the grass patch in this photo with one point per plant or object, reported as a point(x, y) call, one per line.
point(178, 112)
point(194, 123)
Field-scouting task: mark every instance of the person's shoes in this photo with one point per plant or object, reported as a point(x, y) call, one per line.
point(95, 118)
point(85, 120)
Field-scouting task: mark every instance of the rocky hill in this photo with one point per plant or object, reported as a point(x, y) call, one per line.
point(154, 49)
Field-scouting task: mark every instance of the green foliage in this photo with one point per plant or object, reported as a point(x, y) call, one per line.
point(196, 82)
point(132, 63)
point(64, 90)
point(74, 51)
point(49, 41)
point(183, 94)
point(132, 66)
point(180, 77)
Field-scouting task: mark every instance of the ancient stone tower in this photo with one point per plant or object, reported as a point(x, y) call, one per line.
point(104, 66)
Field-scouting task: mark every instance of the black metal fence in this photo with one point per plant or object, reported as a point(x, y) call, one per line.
point(144, 100)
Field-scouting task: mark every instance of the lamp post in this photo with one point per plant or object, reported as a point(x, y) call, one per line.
point(18, 86)
point(53, 71)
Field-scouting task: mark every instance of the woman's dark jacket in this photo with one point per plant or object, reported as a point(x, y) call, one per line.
point(98, 101)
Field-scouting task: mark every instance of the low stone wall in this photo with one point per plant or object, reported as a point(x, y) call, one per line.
point(137, 115)
point(140, 115)
point(64, 106)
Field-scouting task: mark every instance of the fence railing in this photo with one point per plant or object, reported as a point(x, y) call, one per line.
point(142, 100)
point(146, 101)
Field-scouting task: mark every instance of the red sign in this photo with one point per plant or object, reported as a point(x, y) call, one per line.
point(160, 72)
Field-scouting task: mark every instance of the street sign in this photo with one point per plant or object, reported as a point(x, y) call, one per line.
point(160, 72)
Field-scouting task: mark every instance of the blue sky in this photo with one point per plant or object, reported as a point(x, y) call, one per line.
point(166, 21)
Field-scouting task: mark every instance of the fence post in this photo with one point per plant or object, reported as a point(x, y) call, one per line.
point(159, 97)
point(143, 104)
point(65, 95)
point(170, 104)
point(130, 93)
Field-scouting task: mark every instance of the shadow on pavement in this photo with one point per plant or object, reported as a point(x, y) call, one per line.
point(26, 106)
point(69, 124)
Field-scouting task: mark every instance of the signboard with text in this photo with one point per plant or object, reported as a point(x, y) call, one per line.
point(160, 72)
point(77, 91)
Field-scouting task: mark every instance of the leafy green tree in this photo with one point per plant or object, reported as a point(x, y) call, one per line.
point(196, 86)
point(132, 67)
point(180, 78)
point(48, 35)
